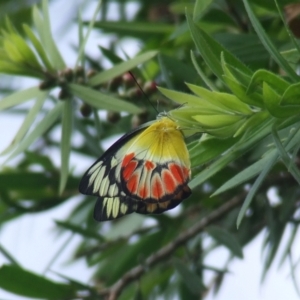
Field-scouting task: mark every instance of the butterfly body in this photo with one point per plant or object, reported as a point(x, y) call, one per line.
point(146, 171)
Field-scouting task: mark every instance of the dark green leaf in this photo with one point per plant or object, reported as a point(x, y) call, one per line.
point(22, 282)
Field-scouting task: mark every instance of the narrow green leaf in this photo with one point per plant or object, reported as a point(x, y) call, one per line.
point(86, 37)
point(245, 175)
point(211, 51)
point(213, 169)
point(200, 7)
point(267, 167)
point(22, 282)
point(291, 95)
point(110, 55)
point(285, 157)
point(192, 281)
point(270, 47)
point(84, 232)
point(38, 131)
point(20, 97)
point(67, 124)
point(102, 101)
point(272, 79)
point(272, 103)
point(226, 239)
point(42, 24)
point(26, 124)
point(38, 47)
point(135, 28)
point(121, 68)
point(203, 76)
point(8, 256)
point(240, 92)
point(205, 150)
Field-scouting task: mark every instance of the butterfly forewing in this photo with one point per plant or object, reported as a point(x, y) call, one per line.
point(146, 171)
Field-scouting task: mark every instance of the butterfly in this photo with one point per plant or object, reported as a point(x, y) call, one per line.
point(146, 171)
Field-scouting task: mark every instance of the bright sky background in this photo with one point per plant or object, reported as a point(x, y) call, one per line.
point(33, 241)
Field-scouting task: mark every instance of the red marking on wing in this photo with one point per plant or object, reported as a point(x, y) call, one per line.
point(127, 159)
point(143, 192)
point(133, 183)
point(157, 188)
point(129, 169)
point(168, 181)
point(177, 172)
point(149, 165)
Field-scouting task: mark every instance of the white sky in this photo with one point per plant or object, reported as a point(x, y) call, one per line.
point(33, 242)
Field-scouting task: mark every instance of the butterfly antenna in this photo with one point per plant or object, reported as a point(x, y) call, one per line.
point(145, 95)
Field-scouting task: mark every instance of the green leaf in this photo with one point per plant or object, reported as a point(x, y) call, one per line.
point(136, 29)
point(200, 7)
point(191, 279)
point(270, 47)
point(223, 100)
point(22, 282)
point(20, 97)
point(8, 256)
point(211, 51)
point(292, 168)
point(191, 101)
point(207, 149)
point(102, 101)
point(291, 95)
point(38, 47)
point(245, 175)
point(265, 76)
point(267, 167)
point(272, 103)
point(181, 71)
point(38, 131)
point(85, 39)
point(67, 124)
point(240, 92)
point(202, 74)
point(226, 239)
point(42, 24)
point(26, 124)
point(121, 68)
point(217, 121)
point(84, 232)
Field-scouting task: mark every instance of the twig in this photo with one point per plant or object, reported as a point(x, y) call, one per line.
point(115, 290)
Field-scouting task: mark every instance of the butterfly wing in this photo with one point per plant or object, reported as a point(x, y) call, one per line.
point(146, 171)
point(156, 166)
